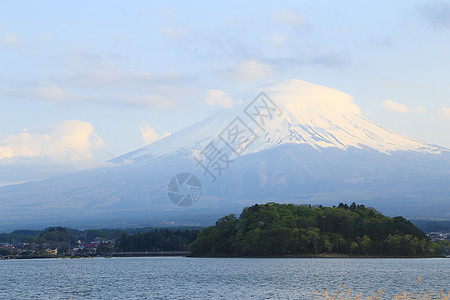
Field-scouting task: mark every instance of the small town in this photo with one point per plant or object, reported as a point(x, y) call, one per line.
point(35, 250)
point(439, 236)
point(61, 242)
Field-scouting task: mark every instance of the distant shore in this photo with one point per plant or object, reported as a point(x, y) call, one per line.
point(332, 255)
point(109, 255)
point(188, 254)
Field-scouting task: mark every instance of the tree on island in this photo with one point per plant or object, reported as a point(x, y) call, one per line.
point(276, 229)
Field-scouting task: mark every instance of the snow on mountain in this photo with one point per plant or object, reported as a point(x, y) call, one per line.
point(332, 115)
point(309, 114)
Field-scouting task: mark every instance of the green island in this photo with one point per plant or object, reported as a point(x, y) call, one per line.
point(288, 230)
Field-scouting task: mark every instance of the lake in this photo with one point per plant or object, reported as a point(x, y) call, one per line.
point(218, 278)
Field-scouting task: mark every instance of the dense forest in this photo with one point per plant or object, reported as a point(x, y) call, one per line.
point(18, 236)
point(290, 230)
point(70, 234)
point(158, 240)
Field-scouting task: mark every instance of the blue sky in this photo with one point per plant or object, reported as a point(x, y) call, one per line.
point(84, 81)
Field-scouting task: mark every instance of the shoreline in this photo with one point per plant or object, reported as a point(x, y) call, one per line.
point(108, 255)
point(187, 254)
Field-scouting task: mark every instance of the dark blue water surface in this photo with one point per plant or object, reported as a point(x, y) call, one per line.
point(215, 278)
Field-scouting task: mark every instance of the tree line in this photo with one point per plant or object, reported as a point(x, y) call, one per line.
point(157, 240)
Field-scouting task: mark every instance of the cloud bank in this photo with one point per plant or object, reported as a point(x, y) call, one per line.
point(148, 133)
point(9, 39)
point(249, 70)
point(218, 97)
point(68, 140)
point(390, 105)
point(445, 112)
point(299, 96)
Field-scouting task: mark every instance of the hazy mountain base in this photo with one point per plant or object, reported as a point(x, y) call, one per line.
point(406, 183)
point(432, 226)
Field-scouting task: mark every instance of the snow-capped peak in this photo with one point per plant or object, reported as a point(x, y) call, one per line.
point(300, 113)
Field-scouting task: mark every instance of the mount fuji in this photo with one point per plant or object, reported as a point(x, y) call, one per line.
point(294, 143)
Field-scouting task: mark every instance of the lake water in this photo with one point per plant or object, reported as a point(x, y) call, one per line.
point(206, 278)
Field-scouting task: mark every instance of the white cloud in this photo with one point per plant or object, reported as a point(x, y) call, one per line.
point(45, 91)
point(168, 14)
point(388, 83)
point(111, 84)
point(11, 39)
point(175, 32)
point(301, 97)
point(68, 140)
point(421, 109)
point(249, 70)
point(8, 38)
point(445, 112)
point(50, 91)
point(148, 133)
point(46, 38)
point(218, 97)
point(382, 42)
point(289, 17)
point(151, 100)
point(94, 71)
point(279, 39)
point(342, 29)
point(390, 105)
